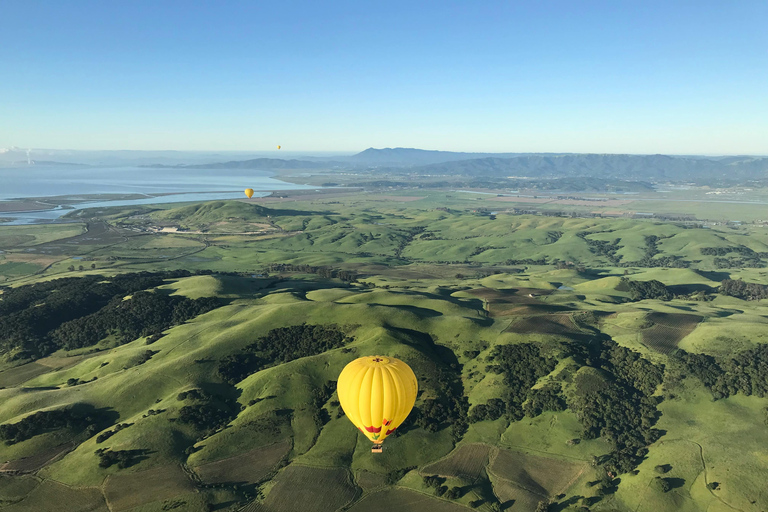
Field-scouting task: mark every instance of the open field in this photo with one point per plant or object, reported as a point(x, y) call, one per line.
point(19, 374)
point(34, 462)
point(249, 467)
point(467, 462)
point(668, 330)
point(542, 476)
point(15, 488)
point(132, 490)
point(297, 486)
point(50, 496)
point(405, 500)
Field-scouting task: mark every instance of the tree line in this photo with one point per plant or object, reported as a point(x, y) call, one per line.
point(522, 365)
point(348, 276)
point(746, 372)
point(33, 317)
point(742, 290)
point(613, 394)
point(280, 345)
point(77, 418)
point(143, 314)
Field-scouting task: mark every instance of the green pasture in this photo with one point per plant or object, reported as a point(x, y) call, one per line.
point(430, 279)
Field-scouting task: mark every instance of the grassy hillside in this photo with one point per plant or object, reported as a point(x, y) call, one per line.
point(513, 326)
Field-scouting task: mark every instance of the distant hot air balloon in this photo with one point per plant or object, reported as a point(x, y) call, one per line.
point(377, 393)
point(249, 193)
point(278, 147)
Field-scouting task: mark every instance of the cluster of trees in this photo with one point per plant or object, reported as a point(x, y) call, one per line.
point(613, 400)
point(738, 263)
point(109, 433)
point(602, 247)
point(436, 482)
point(77, 418)
point(653, 289)
point(31, 314)
point(319, 397)
point(553, 236)
point(206, 417)
point(568, 265)
point(348, 276)
point(746, 372)
point(649, 259)
point(630, 368)
point(547, 398)
point(280, 346)
point(493, 409)
point(207, 413)
point(526, 261)
point(410, 234)
point(194, 394)
point(448, 408)
point(143, 314)
point(621, 408)
point(742, 290)
point(522, 365)
point(748, 257)
point(123, 458)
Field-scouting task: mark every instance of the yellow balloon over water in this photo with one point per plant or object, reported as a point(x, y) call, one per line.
point(377, 393)
point(278, 147)
point(249, 192)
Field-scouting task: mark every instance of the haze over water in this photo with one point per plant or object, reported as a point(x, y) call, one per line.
point(183, 184)
point(46, 181)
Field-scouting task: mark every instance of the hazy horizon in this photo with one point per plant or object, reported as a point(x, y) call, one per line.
point(326, 153)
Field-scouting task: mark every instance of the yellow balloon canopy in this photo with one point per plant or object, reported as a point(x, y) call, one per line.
point(249, 192)
point(377, 393)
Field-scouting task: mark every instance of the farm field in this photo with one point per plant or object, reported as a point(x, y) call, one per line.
point(124, 492)
point(459, 296)
point(296, 486)
point(249, 467)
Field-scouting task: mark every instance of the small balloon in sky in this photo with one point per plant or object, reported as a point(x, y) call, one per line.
point(278, 147)
point(377, 393)
point(249, 193)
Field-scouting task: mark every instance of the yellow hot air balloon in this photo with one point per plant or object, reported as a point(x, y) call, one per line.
point(278, 147)
point(249, 193)
point(377, 393)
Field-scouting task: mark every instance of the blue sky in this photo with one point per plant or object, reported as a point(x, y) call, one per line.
point(618, 76)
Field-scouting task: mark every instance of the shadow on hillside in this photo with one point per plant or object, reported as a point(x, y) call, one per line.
point(426, 343)
point(416, 310)
point(714, 275)
point(681, 289)
point(482, 322)
point(228, 392)
point(675, 483)
point(564, 505)
point(476, 304)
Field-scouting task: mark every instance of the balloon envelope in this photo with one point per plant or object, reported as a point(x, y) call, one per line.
point(377, 393)
point(249, 192)
point(278, 147)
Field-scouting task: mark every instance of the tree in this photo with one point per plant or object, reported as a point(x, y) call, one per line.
point(661, 484)
point(453, 493)
point(93, 265)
